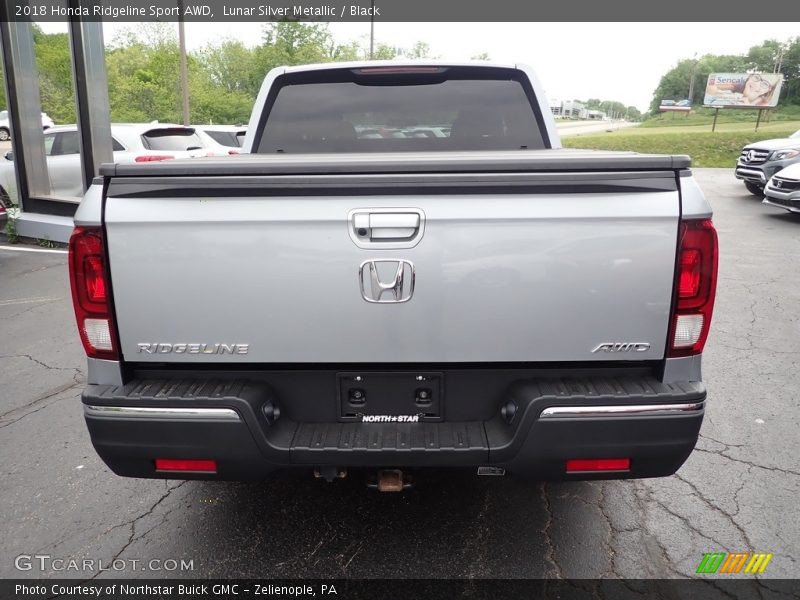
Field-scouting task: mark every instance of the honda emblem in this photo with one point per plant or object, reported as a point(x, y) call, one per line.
point(386, 281)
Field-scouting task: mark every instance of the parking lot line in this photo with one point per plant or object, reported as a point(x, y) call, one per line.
point(50, 250)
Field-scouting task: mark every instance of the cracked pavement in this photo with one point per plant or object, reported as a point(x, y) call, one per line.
point(737, 492)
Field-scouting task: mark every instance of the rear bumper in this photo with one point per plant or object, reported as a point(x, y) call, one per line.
point(538, 425)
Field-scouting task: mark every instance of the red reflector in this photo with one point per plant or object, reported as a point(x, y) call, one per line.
point(179, 464)
point(153, 158)
point(575, 465)
point(95, 279)
point(689, 282)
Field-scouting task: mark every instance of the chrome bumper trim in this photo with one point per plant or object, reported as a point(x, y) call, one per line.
point(793, 209)
point(148, 412)
point(644, 410)
point(749, 174)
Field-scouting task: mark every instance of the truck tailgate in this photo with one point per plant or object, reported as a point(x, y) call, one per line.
point(492, 267)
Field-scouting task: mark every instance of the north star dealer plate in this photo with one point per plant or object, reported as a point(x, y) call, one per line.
point(390, 397)
point(390, 418)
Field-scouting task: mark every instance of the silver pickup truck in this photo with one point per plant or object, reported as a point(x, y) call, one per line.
point(404, 271)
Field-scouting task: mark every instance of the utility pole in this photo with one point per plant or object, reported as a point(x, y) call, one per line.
point(184, 69)
point(372, 29)
point(691, 79)
point(779, 61)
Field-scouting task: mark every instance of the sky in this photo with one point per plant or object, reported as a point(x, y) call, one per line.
point(609, 61)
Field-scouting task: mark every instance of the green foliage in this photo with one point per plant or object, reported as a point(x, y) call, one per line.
point(707, 149)
point(384, 52)
point(11, 228)
point(633, 113)
point(143, 67)
point(418, 50)
point(55, 75)
point(612, 107)
point(46, 242)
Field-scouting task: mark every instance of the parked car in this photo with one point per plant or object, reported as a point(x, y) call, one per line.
point(5, 125)
point(438, 132)
point(131, 143)
point(761, 160)
point(783, 189)
point(230, 136)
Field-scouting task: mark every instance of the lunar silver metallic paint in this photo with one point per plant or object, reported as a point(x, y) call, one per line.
point(499, 277)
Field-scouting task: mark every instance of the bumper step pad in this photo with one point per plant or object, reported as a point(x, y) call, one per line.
point(464, 443)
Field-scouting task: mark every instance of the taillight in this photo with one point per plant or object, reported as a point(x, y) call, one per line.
point(89, 283)
point(398, 70)
point(697, 284)
point(153, 158)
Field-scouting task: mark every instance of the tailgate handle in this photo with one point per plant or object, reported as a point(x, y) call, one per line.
point(386, 226)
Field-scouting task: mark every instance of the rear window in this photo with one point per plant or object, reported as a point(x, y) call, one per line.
point(448, 109)
point(172, 139)
point(226, 138)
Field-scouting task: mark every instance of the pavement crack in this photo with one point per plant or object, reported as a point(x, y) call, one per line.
point(551, 551)
point(641, 504)
point(39, 362)
point(57, 391)
point(610, 541)
point(132, 524)
point(747, 462)
point(699, 495)
point(721, 443)
point(745, 480)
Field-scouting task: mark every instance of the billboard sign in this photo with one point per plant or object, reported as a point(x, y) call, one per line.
point(675, 105)
point(743, 90)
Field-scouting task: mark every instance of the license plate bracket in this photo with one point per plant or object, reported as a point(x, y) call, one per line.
point(390, 397)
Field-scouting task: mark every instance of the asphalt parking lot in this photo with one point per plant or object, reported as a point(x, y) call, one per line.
point(738, 491)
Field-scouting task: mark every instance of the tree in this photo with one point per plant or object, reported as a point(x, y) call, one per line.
point(779, 57)
point(633, 114)
point(231, 66)
point(383, 52)
point(55, 75)
point(143, 67)
point(418, 50)
point(293, 43)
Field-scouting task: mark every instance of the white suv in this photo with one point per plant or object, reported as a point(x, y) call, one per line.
point(131, 143)
point(5, 125)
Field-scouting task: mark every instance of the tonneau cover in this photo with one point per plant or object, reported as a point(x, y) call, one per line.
point(562, 160)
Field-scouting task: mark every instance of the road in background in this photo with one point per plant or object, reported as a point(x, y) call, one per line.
point(571, 128)
point(737, 492)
